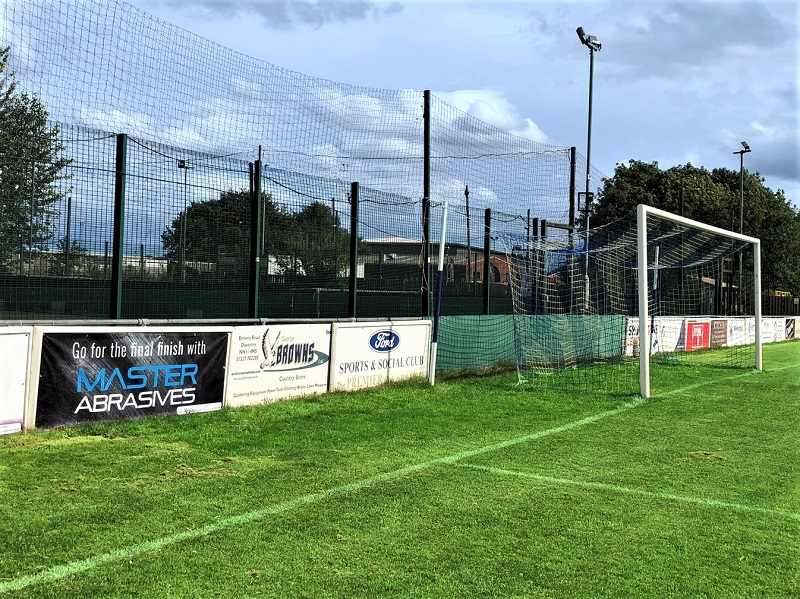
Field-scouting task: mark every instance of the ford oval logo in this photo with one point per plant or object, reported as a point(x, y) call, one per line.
point(384, 341)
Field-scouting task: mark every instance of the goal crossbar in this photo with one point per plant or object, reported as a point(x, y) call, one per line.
point(642, 212)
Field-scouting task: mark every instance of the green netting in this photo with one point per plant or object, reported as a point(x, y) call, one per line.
point(475, 342)
point(563, 340)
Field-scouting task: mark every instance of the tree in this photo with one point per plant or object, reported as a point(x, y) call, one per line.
point(317, 243)
point(67, 262)
point(310, 243)
point(218, 231)
point(31, 165)
point(713, 198)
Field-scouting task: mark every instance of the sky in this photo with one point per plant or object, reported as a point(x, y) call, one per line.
point(674, 82)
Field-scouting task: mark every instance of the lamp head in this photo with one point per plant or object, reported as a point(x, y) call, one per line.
point(589, 41)
point(745, 146)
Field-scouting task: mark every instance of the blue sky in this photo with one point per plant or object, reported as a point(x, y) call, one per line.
point(675, 82)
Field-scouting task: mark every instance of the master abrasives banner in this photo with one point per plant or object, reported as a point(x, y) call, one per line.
point(114, 375)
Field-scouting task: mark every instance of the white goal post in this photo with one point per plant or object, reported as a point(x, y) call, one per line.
point(642, 213)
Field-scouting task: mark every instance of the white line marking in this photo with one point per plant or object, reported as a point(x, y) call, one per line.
point(651, 494)
point(89, 563)
point(716, 381)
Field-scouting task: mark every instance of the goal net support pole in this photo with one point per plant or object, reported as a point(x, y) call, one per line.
point(642, 212)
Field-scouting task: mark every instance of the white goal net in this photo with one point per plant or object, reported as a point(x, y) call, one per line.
point(579, 303)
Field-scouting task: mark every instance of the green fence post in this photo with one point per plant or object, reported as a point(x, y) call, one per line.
point(426, 203)
point(353, 279)
point(545, 269)
point(256, 240)
point(121, 167)
point(487, 258)
point(572, 158)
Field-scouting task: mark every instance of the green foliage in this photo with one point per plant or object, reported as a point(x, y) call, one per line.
point(208, 231)
point(310, 243)
point(68, 261)
point(712, 197)
point(317, 242)
point(30, 167)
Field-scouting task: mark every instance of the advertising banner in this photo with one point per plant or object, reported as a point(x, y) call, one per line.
point(767, 330)
point(719, 333)
point(697, 335)
point(632, 341)
point(274, 362)
point(790, 328)
point(751, 329)
point(672, 335)
point(367, 354)
point(14, 356)
point(737, 331)
point(632, 337)
point(114, 374)
point(779, 328)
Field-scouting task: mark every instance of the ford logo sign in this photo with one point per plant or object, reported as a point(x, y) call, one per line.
point(384, 341)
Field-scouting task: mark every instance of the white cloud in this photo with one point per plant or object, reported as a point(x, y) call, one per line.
point(491, 106)
point(286, 14)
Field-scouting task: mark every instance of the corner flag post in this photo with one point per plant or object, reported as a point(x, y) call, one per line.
point(438, 306)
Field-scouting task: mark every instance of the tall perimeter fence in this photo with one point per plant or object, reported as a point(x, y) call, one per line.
point(203, 184)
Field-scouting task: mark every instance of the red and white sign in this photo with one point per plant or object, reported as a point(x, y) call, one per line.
point(698, 335)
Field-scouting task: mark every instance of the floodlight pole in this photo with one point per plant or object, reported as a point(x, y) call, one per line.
point(745, 149)
point(594, 45)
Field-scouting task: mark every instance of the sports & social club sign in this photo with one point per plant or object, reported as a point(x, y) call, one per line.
point(367, 354)
point(121, 374)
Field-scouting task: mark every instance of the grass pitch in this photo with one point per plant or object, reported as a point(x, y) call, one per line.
point(475, 487)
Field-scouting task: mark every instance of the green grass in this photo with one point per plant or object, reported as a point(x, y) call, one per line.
point(475, 487)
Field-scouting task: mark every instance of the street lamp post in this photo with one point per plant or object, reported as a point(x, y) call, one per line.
point(745, 149)
point(594, 45)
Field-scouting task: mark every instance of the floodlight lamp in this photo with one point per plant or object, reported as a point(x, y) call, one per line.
point(590, 41)
point(745, 146)
point(181, 164)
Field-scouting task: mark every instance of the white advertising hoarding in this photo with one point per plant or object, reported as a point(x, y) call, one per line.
point(367, 354)
point(779, 325)
point(667, 334)
point(737, 331)
point(671, 334)
point(632, 336)
point(274, 362)
point(15, 357)
point(767, 330)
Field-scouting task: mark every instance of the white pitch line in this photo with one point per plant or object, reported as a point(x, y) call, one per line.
point(78, 566)
point(727, 378)
point(630, 491)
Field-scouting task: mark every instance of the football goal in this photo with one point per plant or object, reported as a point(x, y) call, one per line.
point(583, 312)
